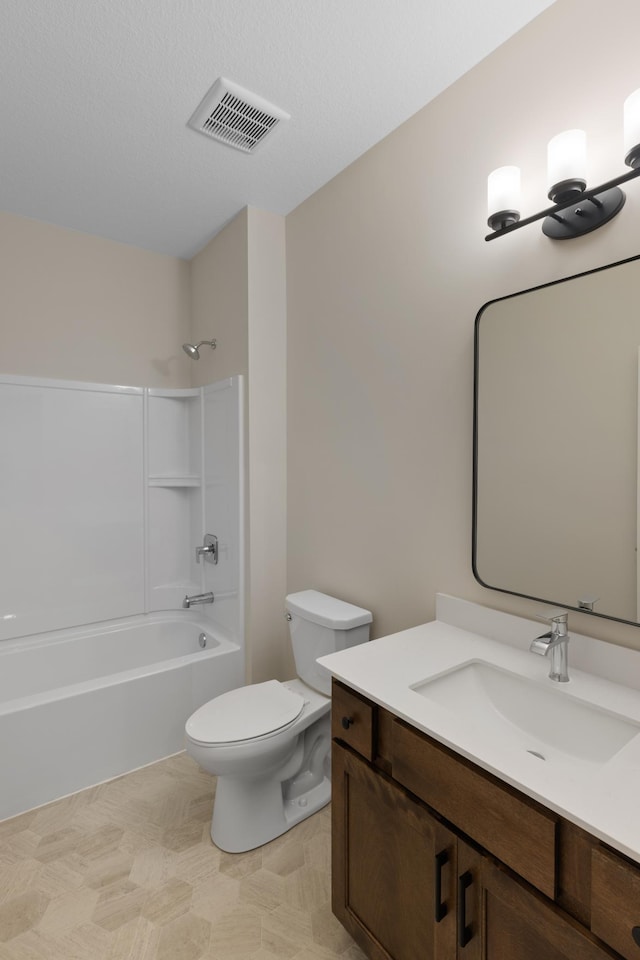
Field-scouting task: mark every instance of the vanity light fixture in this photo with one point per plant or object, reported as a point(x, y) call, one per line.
point(576, 210)
point(503, 187)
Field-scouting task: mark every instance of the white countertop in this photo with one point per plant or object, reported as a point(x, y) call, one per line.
point(602, 798)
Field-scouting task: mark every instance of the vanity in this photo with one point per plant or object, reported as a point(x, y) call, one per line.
point(483, 807)
point(480, 810)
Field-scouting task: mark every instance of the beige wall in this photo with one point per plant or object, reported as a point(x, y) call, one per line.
point(267, 476)
point(78, 307)
point(219, 303)
point(239, 297)
point(386, 269)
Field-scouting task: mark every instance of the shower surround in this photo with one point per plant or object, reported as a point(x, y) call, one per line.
point(105, 492)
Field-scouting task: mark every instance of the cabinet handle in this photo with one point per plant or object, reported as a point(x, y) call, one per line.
point(442, 858)
point(635, 933)
point(464, 932)
point(346, 722)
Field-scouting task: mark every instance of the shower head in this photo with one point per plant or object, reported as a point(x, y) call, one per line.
point(193, 351)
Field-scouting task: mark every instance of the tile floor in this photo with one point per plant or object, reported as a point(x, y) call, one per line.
point(127, 871)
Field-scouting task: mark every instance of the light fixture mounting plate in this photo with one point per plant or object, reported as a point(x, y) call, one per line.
point(584, 216)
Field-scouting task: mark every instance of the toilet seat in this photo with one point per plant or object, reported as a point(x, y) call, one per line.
point(245, 713)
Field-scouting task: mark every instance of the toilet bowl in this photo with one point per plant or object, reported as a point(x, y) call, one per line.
point(257, 794)
point(269, 743)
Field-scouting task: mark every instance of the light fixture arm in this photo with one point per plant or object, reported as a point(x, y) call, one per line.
point(591, 194)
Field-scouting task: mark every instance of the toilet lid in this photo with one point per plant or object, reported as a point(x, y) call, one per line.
point(245, 713)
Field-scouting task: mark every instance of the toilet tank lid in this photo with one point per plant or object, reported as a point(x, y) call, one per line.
point(327, 611)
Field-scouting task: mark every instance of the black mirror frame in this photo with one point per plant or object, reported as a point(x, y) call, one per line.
point(476, 381)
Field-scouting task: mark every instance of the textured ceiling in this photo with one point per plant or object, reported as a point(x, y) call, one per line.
point(96, 95)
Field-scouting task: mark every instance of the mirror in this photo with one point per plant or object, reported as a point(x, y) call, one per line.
point(556, 442)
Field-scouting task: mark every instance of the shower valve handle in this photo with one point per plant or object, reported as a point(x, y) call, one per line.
point(209, 549)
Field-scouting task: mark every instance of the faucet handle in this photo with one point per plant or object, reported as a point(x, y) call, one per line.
point(554, 615)
point(559, 620)
point(209, 549)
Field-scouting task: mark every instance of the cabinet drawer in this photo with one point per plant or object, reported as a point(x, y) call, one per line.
point(510, 826)
point(615, 902)
point(352, 720)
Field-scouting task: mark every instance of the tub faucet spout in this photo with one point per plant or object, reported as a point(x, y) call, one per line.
point(556, 644)
point(197, 598)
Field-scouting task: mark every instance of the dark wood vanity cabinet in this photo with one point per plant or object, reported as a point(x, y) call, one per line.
point(518, 924)
point(393, 866)
point(433, 859)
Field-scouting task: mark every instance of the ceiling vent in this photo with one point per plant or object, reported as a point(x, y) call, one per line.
point(236, 116)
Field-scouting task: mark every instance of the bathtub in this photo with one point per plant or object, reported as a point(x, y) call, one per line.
point(81, 706)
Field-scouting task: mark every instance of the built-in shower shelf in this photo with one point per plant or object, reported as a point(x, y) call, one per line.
point(182, 481)
point(184, 393)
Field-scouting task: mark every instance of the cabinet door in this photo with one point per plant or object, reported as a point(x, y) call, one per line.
point(615, 902)
point(394, 867)
point(516, 924)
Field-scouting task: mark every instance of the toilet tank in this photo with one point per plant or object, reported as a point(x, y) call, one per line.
point(320, 624)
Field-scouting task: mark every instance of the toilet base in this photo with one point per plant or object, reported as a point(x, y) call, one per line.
point(247, 815)
point(251, 811)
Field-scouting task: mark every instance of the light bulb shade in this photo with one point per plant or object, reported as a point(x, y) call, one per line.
point(632, 130)
point(567, 165)
point(503, 197)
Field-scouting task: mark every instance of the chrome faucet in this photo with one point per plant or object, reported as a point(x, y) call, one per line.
point(209, 549)
point(197, 598)
point(555, 643)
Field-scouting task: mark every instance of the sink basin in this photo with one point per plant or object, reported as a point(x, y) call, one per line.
point(528, 715)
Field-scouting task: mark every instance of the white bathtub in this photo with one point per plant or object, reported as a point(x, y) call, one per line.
point(81, 706)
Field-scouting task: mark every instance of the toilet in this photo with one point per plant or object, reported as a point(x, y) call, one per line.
point(269, 743)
